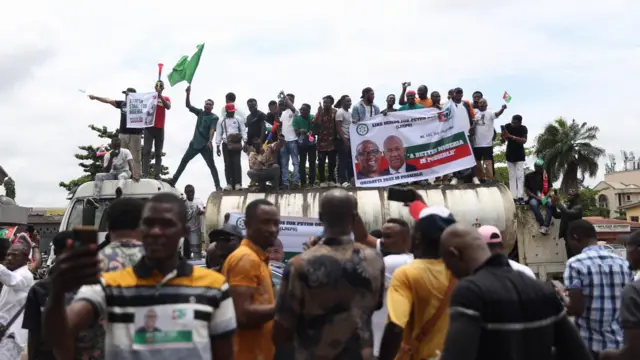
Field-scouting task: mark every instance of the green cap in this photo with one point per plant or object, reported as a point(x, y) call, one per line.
point(539, 162)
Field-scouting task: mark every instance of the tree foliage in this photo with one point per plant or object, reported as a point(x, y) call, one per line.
point(10, 188)
point(92, 164)
point(588, 198)
point(567, 149)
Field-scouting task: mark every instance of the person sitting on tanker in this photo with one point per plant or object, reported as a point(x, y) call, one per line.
point(395, 153)
point(262, 163)
point(118, 165)
point(368, 156)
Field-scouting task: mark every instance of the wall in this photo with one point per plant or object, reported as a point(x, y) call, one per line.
point(635, 211)
point(626, 177)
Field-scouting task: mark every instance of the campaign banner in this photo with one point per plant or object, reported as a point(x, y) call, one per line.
point(294, 231)
point(408, 146)
point(141, 109)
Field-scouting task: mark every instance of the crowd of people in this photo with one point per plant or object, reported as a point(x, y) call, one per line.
point(318, 141)
point(436, 289)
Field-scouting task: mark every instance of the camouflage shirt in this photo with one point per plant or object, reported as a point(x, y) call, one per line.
point(115, 256)
point(327, 297)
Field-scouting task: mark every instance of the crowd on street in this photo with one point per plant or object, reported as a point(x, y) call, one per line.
point(436, 289)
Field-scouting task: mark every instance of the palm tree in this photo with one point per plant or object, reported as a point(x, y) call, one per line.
point(567, 149)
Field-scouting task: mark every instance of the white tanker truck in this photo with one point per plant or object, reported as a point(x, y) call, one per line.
point(471, 204)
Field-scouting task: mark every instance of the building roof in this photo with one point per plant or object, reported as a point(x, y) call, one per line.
point(630, 206)
point(618, 185)
point(600, 220)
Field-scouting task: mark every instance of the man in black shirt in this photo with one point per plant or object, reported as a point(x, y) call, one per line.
point(256, 129)
point(515, 134)
point(567, 213)
point(537, 185)
point(38, 348)
point(499, 313)
point(131, 138)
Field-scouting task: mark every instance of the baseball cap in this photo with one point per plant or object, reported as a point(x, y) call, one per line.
point(129, 90)
point(230, 107)
point(490, 234)
point(457, 90)
point(410, 92)
point(434, 218)
point(226, 229)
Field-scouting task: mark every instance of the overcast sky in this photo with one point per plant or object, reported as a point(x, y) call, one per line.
point(554, 57)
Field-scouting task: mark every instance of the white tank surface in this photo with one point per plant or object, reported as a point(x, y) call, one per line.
point(470, 204)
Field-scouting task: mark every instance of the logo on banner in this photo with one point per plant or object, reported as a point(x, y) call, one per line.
point(362, 129)
point(240, 223)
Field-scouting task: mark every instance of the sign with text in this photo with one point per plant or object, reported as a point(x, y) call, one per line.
point(407, 146)
point(141, 109)
point(294, 231)
point(612, 227)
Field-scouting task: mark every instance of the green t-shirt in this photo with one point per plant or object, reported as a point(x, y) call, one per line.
point(300, 123)
point(409, 107)
point(204, 124)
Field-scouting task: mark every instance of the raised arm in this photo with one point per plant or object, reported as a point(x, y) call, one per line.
point(402, 100)
point(103, 100)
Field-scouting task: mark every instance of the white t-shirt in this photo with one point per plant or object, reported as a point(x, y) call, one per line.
point(379, 318)
point(121, 162)
point(345, 117)
point(522, 268)
point(286, 120)
point(193, 219)
point(484, 128)
point(368, 112)
point(460, 114)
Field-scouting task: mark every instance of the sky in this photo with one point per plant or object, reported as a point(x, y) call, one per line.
point(556, 58)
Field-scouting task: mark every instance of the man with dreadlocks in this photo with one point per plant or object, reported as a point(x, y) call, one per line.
point(16, 279)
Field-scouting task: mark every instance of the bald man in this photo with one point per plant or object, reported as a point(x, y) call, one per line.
point(395, 154)
point(516, 316)
point(368, 155)
point(334, 283)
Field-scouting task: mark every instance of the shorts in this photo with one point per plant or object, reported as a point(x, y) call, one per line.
point(483, 153)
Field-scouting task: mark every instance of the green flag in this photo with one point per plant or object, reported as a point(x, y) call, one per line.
point(185, 68)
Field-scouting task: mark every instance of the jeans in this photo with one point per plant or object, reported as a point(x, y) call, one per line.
point(193, 249)
point(307, 151)
point(207, 155)
point(323, 156)
point(534, 204)
point(132, 143)
point(261, 176)
point(101, 177)
point(152, 135)
point(345, 163)
point(290, 149)
point(516, 178)
point(232, 166)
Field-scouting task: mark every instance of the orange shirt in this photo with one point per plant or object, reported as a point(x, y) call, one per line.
point(426, 102)
point(248, 266)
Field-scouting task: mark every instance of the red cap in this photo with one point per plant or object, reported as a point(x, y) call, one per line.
point(411, 92)
point(230, 107)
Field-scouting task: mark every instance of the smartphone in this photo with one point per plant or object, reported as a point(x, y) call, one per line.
point(85, 236)
point(400, 194)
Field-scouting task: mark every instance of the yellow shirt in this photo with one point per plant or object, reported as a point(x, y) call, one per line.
point(248, 266)
point(413, 296)
point(426, 102)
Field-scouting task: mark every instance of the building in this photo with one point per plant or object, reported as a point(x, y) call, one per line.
point(618, 189)
point(632, 210)
point(47, 222)
point(610, 230)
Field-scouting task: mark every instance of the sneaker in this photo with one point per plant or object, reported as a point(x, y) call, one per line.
point(521, 201)
point(544, 230)
point(237, 187)
point(228, 188)
point(346, 184)
point(218, 188)
point(324, 184)
point(295, 186)
point(476, 180)
point(118, 193)
point(454, 181)
point(284, 187)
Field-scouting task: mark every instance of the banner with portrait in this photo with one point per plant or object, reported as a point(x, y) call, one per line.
point(141, 109)
point(408, 146)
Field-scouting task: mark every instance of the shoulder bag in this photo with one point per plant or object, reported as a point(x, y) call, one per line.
point(4, 328)
point(234, 141)
point(407, 351)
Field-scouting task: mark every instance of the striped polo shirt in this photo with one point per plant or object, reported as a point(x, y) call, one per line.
point(151, 317)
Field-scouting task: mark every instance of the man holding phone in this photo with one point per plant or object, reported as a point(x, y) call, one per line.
point(118, 165)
